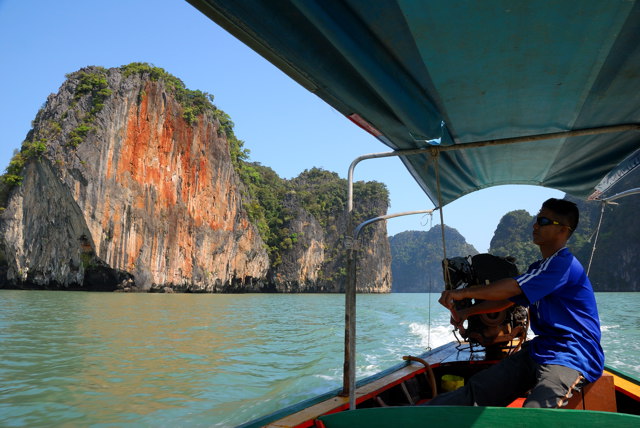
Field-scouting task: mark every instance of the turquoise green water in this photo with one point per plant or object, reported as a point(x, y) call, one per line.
point(106, 359)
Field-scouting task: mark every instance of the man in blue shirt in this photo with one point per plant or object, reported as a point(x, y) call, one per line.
point(566, 351)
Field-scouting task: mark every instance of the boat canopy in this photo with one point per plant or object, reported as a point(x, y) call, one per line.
point(463, 74)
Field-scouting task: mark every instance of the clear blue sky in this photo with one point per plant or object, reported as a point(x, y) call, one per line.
point(284, 126)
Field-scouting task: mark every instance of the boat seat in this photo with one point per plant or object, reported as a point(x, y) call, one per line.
point(599, 395)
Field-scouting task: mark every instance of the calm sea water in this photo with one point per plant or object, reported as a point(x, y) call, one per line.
point(106, 359)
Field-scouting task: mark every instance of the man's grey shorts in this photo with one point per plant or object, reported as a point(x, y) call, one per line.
point(550, 385)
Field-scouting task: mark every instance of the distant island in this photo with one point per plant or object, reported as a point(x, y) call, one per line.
point(417, 255)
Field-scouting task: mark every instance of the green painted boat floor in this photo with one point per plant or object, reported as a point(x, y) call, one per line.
point(453, 416)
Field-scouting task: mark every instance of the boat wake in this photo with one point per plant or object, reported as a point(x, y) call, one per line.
point(431, 337)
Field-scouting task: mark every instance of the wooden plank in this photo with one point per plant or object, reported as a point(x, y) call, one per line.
point(311, 413)
point(376, 387)
point(453, 352)
point(456, 352)
point(300, 419)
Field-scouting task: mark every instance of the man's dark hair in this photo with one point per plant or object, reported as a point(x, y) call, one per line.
point(566, 210)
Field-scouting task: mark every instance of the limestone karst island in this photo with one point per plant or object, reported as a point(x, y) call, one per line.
point(130, 181)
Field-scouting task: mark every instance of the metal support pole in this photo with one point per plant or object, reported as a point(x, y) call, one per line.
point(349, 367)
point(349, 376)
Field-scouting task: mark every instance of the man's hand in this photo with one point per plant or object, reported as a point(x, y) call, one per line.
point(458, 316)
point(448, 298)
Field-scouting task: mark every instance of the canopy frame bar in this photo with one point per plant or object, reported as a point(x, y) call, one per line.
point(629, 192)
point(484, 143)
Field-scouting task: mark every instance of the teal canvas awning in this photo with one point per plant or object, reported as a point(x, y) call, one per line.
point(450, 73)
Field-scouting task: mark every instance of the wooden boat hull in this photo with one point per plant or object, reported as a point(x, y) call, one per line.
point(614, 400)
point(476, 417)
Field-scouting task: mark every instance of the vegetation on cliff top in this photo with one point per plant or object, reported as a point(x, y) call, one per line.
point(513, 238)
point(92, 82)
point(13, 173)
point(416, 258)
point(322, 193)
point(614, 266)
point(193, 102)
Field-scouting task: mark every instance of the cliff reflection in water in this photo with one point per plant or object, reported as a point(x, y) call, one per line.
point(156, 355)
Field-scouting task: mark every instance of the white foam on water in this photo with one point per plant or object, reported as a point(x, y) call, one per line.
point(328, 378)
point(432, 337)
point(604, 328)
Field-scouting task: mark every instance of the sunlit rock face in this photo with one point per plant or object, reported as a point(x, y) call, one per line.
point(142, 199)
point(125, 186)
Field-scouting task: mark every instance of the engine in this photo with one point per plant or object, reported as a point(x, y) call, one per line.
point(497, 331)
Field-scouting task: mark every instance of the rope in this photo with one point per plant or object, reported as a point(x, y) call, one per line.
point(447, 279)
point(593, 248)
point(429, 317)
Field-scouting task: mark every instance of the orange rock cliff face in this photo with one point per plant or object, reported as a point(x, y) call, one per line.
point(146, 195)
point(130, 195)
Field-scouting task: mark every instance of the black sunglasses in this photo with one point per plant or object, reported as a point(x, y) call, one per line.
point(544, 221)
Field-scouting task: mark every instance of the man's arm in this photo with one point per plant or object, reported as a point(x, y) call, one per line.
point(487, 307)
point(498, 290)
point(484, 307)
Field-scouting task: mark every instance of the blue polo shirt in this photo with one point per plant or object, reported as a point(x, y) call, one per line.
point(563, 313)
